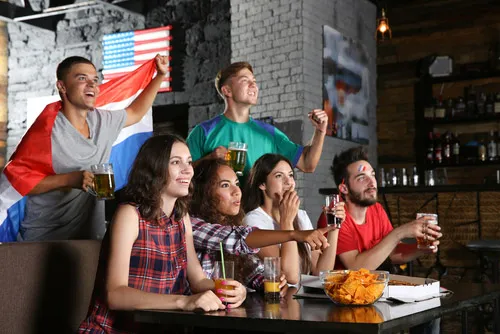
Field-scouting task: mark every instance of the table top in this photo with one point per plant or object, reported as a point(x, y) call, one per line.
point(295, 315)
point(484, 245)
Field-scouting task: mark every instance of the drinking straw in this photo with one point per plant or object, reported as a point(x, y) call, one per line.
point(222, 261)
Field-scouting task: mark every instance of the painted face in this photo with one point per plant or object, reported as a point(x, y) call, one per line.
point(180, 171)
point(228, 191)
point(362, 185)
point(243, 88)
point(80, 86)
point(278, 181)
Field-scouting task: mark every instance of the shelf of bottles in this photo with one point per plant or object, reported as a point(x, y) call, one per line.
point(453, 148)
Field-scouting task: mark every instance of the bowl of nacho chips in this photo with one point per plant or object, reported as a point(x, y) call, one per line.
point(354, 287)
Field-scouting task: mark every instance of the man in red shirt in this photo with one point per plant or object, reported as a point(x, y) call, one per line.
point(367, 238)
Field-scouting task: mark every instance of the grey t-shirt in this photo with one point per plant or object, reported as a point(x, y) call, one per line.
point(72, 213)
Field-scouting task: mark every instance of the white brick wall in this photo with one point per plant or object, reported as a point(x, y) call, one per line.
point(283, 40)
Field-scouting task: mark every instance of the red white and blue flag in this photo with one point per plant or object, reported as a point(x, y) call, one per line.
point(32, 160)
point(123, 52)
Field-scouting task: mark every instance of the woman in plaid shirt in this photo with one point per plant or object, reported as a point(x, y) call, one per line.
point(147, 256)
point(217, 216)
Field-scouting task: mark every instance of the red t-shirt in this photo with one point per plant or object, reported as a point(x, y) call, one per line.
point(360, 237)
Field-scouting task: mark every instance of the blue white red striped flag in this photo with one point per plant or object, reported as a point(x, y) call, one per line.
point(32, 160)
point(124, 52)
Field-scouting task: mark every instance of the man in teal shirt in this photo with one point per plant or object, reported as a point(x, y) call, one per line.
point(237, 86)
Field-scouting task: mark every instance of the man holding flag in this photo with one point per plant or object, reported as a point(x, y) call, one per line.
point(51, 163)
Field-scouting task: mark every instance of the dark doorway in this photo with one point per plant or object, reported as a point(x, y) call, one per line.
point(171, 118)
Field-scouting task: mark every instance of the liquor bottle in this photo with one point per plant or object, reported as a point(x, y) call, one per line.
point(415, 177)
point(394, 177)
point(447, 148)
point(490, 104)
point(460, 108)
point(438, 149)
point(450, 109)
point(382, 182)
point(481, 150)
point(439, 111)
point(471, 106)
point(430, 150)
point(496, 105)
point(492, 147)
point(404, 177)
point(455, 149)
point(481, 105)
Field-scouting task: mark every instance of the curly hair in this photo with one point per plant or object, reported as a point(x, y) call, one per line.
point(343, 160)
point(204, 201)
point(149, 176)
point(253, 196)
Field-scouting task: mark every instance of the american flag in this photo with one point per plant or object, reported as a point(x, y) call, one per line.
point(125, 51)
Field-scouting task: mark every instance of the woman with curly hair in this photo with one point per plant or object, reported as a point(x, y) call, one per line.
point(217, 216)
point(271, 203)
point(147, 256)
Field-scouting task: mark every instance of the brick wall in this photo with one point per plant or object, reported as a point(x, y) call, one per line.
point(283, 40)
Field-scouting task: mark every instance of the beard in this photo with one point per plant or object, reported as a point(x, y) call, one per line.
point(356, 198)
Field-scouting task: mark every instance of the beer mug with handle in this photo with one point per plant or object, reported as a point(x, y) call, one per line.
point(104, 181)
point(237, 156)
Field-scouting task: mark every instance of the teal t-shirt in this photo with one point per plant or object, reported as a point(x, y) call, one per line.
point(260, 137)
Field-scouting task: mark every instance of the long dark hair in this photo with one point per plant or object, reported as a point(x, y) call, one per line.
point(149, 176)
point(204, 205)
point(253, 196)
point(204, 202)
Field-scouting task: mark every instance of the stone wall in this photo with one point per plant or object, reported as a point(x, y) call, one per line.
point(3, 90)
point(34, 54)
point(201, 47)
point(283, 40)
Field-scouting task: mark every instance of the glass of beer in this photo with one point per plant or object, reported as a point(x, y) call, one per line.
point(219, 274)
point(425, 242)
point(104, 181)
point(272, 270)
point(330, 203)
point(237, 156)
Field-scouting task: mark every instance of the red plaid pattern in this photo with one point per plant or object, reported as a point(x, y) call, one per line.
point(158, 264)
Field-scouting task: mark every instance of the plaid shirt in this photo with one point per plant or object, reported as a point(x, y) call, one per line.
point(158, 264)
point(207, 238)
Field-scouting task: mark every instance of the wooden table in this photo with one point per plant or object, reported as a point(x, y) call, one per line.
point(321, 315)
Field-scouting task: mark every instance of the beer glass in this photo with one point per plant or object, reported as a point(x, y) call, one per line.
point(104, 181)
point(425, 243)
point(272, 270)
point(330, 203)
point(237, 156)
point(218, 276)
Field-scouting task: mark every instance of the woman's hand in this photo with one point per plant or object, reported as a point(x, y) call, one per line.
point(206, 301)
point(283, 285)
point(315, 238)
point(289, 207)
point(235, 297)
